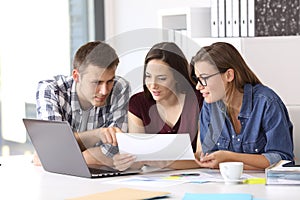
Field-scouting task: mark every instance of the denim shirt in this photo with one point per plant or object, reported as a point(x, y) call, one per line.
point(265, 126)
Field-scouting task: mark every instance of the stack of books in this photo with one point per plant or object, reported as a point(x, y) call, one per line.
point(279, 174)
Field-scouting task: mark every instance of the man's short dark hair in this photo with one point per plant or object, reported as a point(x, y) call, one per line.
point(96, 53)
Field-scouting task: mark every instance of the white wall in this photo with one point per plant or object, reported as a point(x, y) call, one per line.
point(34, 45)
point(276, 60)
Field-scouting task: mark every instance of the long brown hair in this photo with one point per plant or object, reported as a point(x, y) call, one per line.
point(225, 56)
point(171, 54)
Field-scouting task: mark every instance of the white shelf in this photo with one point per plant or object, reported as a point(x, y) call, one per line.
point(186, 18)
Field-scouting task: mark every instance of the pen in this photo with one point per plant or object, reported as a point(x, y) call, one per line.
point(187, 174)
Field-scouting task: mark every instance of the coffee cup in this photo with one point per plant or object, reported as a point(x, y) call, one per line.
point(231, 171)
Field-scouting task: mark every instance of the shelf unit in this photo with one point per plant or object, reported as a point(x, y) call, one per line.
point(271, 58)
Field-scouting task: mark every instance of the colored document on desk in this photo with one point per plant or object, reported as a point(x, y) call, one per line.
point(153, 147)
point(166, 180)
point(124, 194)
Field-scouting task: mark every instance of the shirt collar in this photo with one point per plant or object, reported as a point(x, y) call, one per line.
point(75, 105)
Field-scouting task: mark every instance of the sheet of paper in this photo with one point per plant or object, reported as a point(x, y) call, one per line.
point(156, 146)
point(124, 194)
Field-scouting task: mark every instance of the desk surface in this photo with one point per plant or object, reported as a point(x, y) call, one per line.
point(20, 179)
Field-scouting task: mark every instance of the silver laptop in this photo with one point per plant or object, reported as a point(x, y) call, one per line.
point(59, 151)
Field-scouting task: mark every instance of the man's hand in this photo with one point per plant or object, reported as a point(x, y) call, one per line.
point(108, 135)
point(88, 139)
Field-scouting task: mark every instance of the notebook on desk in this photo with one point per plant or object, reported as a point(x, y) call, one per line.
point(59, 151)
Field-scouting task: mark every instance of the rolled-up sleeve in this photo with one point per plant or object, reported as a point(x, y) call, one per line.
point(278, 133)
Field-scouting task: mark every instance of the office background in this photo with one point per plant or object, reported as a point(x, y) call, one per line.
point(38, 39)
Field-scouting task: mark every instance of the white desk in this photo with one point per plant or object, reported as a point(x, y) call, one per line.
point(20, 179)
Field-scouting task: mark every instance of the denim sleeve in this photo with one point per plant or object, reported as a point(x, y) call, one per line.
point(204, 121)
point(278, 130)
point(210, 129)
point(272, 157)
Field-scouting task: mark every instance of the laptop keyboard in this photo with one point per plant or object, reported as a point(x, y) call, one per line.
point(103, 172)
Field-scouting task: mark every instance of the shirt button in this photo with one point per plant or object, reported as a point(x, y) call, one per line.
point(238, 139)
point(232, 136)
point(256, 150)
point(218, 144)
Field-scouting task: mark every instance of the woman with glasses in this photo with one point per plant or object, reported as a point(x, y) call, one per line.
point(241, 119)
point(169, 103)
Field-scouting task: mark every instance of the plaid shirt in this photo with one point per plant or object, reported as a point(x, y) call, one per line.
point(57, 100)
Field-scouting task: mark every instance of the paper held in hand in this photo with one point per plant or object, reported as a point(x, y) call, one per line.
point(153, 147)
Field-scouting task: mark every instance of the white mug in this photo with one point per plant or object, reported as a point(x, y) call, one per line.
point(231, 171)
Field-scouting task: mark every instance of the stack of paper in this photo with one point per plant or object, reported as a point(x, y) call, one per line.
point(279, 175)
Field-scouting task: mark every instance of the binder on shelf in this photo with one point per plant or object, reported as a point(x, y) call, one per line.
point(251, 18)
point(214, 18)
point(236, 18)
point(243, 18)
point(221, 18)
point(228, 17)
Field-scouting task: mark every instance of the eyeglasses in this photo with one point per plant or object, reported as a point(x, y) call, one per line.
point(203, 79)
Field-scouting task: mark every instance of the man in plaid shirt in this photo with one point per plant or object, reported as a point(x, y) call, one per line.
point(93, 100)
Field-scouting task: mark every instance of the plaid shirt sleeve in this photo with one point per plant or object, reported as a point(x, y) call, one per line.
point(49, 100)
point(47, 106)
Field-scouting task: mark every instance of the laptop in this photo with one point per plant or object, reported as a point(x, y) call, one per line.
point(59, 151)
